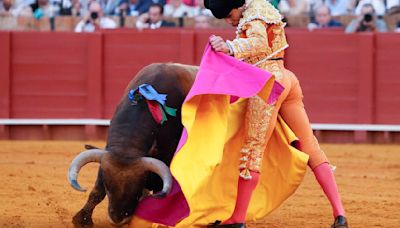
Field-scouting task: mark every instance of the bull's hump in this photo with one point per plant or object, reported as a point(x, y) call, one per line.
point(188, 67)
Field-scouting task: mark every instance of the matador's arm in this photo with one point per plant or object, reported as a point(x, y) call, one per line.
point(256, 40)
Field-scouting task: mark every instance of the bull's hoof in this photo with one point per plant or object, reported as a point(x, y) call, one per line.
point(340, 222)
point(82, 220)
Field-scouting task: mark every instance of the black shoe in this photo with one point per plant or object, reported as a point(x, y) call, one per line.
point(340, 222)
point(234, 225)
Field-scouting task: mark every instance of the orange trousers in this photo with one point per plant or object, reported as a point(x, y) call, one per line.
point(261, 119)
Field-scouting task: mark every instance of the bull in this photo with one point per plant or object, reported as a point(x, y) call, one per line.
point(137, 149)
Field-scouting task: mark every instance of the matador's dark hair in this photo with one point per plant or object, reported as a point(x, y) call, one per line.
point(221, 8)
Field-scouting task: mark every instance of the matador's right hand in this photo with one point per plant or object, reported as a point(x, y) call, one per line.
point(218, 44)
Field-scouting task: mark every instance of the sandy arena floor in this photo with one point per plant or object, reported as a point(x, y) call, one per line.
point(35, 192)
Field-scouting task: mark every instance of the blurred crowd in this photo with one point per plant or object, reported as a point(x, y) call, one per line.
point(367, 15)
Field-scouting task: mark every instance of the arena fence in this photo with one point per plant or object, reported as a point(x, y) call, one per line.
point(106, 122)
point(349, 80)
point(91, 128)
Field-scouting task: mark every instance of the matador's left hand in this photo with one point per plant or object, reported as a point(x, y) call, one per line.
point(218, 44)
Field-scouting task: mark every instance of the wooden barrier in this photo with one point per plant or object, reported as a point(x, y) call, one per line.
point(5, 80)
point(346, 79)
point(386, 79)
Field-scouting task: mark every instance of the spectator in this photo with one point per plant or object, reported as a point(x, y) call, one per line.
point(8, 8)
point(138, 7)
point(95, 20)
point(77, 9)
point(23, 2)
point(323, 19)
point(109, 6)
point(367, 21)
point(38, 9)
point(199, 9)
point(393, 6)
point(378, 5)
point(61, 7)
point(176, 8)
point(202, 22)
point(143, 6)
point(84, 6)
point(313, 5)
point(129, 7)
point(339, 7)
point(191, 3)
point(153, 19)
point(397, 29)
point(293, 7)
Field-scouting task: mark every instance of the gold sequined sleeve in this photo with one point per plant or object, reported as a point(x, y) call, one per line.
point(256, 40)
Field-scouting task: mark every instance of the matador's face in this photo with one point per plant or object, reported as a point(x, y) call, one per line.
point(234, 16)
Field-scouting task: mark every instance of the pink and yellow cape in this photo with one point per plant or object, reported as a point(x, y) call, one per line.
point(205, 166)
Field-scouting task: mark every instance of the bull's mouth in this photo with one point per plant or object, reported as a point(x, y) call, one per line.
point(125, 221)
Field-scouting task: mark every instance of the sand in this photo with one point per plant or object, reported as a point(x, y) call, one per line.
point(35, 192)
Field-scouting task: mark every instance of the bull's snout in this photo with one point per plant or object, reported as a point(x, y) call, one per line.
point(118, 219)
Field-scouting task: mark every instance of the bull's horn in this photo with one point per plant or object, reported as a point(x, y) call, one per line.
point(87, 156)
point(159, 167)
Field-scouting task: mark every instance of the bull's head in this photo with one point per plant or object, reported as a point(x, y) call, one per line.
point(123, 181)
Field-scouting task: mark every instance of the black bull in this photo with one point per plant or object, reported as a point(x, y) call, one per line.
point(137, 147)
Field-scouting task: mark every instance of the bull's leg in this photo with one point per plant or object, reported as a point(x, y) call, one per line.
point(84, 217)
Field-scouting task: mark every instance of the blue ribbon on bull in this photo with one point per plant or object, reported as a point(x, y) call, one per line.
point(150, 94)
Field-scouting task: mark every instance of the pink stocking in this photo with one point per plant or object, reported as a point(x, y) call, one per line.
point(244, 193)
point(324, 175)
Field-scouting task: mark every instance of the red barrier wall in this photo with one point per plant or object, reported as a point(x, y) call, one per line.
point(387, 79)
point(345, 78)
point(49, 75)
point(327, 66)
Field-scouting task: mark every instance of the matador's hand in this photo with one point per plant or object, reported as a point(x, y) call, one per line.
point(218, 44)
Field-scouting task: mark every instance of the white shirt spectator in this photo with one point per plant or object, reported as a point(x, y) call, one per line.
point(378, 5)
point(181, 11)
point(105, 23)
point(198, 11)
point(94, 20)
point(315, 4)
point(339, 7)
point(109, 6)
point(156, 25)
point(392, 3)
point(9, 8)
point(24, 2)
point(63, 3)
point(294, 7)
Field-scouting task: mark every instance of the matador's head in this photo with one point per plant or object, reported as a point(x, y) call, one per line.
point(222, 8)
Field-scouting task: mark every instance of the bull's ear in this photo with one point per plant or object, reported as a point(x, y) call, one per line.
point(153, 150)
point(90, 147)
point(146, 193)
